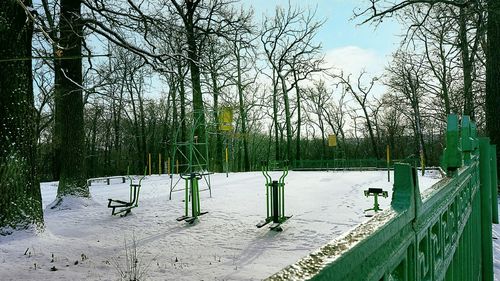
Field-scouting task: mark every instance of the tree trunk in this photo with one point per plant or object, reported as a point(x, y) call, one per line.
point(175, 118)
point(370, 131)
point(218, 138)
point(137, 136)
point(466, 66)
point(69, 102)
point(20, 200)
point(288, 123)
point(243, 114)
point(194, 67)
point(299, 115)
point(275, 118)
point(493, 74)
point(93, 145)
point(142, 117)
point(117, 115)
point(182, 96)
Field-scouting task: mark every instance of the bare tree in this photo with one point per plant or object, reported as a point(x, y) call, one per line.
point(288, 43)
point(316, 100)
point(405, 77)
point(379, 9)
point(361, 93)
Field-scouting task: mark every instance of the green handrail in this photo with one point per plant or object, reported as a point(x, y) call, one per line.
point(444, 235)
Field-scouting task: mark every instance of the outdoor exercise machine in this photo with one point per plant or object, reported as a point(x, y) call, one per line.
point(123, 207)
point(190, 153)
point(275, 199)
point(191, 191)
point(375, 192)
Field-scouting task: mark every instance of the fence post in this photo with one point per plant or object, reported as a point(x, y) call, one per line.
point(452, 156)
point(467, 139)
point(406, 193)
point(485, 192)
point(494, 183)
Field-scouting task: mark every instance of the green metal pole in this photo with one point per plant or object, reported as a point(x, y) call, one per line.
point(494, 183)
point(193, 198)
point(130, 200)
point(283, 200)
point(186, 201)
point(485, 192)
point(138, 192)
point(267, 200)
point(268, 186)
point(197, 196)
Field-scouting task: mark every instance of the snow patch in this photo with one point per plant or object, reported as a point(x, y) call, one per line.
point(70, 202)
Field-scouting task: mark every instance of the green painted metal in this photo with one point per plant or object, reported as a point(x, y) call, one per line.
point(494, 183)
point(466, 139)
point(452, 158)
point(358, 164)
point(186, 198)
point(486, 217)
point(191, 194)
point(375, 192)
point(268, 186)
point(441, 234)
point(275, 196)
point(122, 207)
point(192, 154)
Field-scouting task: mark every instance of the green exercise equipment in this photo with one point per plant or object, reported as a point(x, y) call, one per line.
point(191, 191)
point(123, 207)
point(275, 199)
point(375, 192)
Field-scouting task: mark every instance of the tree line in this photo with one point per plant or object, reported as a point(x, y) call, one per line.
point(92, 87)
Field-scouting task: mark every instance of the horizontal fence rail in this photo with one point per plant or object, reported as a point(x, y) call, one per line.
point(332, 164)
point(443, 234)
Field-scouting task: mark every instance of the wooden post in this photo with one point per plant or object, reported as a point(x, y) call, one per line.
point(227, 162)
point(159, 164)
point(388, 152)
point(149, 163)
point(422, 161)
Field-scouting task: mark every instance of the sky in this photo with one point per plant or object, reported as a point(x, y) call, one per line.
point(346, 44)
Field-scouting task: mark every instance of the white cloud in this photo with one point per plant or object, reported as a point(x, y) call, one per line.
point(353, 59)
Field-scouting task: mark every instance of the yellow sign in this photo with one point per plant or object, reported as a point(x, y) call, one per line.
point(332, 140)
point(226, 119)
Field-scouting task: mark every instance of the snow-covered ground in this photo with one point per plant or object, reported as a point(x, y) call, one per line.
point(84, 242)
point(496, 249)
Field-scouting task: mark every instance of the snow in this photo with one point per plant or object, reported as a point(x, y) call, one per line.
point(84, 242)
point(496, 249)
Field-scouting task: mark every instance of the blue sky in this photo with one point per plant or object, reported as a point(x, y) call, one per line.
point(346, 43)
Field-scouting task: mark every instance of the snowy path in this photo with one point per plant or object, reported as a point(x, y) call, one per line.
point(223, 245)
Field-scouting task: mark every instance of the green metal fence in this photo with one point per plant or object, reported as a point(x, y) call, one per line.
point(442, 234)
point(332, 164)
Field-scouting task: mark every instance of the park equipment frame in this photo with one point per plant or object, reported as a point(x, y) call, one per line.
point(124, 207)
point(275, 199)
point(191, 191)
point(442, 234)
point(190, 156)
point(375, 192)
